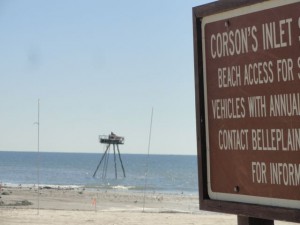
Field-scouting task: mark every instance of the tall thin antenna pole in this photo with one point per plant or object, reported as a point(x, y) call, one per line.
point(38, 158)
point(147, 160)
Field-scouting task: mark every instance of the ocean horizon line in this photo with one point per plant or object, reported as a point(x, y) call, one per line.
point(69, 152)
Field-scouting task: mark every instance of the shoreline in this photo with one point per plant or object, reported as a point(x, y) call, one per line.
point(100, 187)
point(60, 206)
point(65, 197)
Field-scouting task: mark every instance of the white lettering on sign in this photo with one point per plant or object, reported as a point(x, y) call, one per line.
point(233, 42)
point(233, 139)
point(259, 170)
point(230, 108)
point(299, 67)
point(258, 73)
point(257, 106)
point(251, 90)
point(285, 105)
point(287, 174)
point(277, 35)
point(285, 70)
point(275, 139)
point(229, 76)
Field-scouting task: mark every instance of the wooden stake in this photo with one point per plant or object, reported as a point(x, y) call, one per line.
point(244, 220)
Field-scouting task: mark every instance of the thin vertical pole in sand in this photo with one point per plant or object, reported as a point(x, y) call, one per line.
point(38, 158)
point(147, 161)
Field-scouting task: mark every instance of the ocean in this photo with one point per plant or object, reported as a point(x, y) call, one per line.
point(161, 173)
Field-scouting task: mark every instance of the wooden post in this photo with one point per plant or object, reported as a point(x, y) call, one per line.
point(244, 220)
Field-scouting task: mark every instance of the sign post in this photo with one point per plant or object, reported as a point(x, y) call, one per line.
point(247, 79)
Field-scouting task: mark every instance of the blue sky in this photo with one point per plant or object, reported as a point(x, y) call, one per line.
point(97, 67)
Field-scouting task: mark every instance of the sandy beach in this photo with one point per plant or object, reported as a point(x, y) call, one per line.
point(21, 205)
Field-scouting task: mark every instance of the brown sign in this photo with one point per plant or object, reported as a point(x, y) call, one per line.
point(251, 61)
